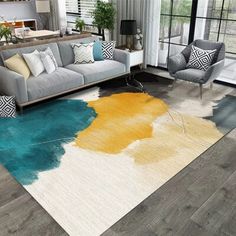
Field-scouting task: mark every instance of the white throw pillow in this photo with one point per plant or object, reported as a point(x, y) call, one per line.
point(34, 63)
point(48, 60)
point(83, 53)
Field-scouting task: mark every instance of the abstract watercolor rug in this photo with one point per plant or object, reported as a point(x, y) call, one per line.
point(91, 157)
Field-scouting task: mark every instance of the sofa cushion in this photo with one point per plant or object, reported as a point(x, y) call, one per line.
point(192, 75)
point(48, 84)
point(5, 54)
point(17, 63)
point(67, 54)
point(99, 70)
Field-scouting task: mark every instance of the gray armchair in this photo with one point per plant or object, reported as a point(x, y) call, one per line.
point(177, 64)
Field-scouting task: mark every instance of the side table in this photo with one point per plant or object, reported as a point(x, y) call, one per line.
point(136, 59)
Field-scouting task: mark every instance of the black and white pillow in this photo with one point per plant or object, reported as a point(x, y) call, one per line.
point(108, 49)
point(200, 59)
point(7, 106)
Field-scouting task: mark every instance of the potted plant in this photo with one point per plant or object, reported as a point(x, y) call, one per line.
point(79, 24)
point(5, 32)
point(104, 17)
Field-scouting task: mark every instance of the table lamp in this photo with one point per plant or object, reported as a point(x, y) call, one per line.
point(128, 28)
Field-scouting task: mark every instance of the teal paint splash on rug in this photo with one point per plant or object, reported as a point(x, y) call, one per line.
point(224, 113)
point(33, 142)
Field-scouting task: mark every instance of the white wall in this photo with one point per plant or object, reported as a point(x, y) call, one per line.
point(20, 10)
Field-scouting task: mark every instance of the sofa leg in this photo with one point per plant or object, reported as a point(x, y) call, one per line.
point(20, 110)
point(200, 86)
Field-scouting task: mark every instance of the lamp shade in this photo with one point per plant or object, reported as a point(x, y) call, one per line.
point(128, 27)
point(42, 6)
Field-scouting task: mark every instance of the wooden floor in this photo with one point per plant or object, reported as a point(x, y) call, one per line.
point(199, 200)
point(20, 214)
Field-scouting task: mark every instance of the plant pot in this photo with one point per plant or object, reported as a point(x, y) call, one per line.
point(162, 56)
point(107, 35)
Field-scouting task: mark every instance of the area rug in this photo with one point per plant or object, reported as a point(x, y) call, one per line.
point(90, 158)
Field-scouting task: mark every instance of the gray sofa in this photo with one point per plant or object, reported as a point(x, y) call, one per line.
point(67, 78)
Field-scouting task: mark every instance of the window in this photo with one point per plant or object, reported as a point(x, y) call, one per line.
point(182, 21)
point(174, 27)
point(82, 9)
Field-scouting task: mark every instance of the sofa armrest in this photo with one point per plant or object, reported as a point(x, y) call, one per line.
point(176, 63)
point(214, 71)
point(123, 57)
point(13, 84)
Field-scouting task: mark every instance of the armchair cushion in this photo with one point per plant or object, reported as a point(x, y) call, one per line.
point(176, 63)
point(192, 75)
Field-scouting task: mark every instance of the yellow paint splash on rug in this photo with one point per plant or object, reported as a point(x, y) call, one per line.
point(122, 119)
point(179, 136)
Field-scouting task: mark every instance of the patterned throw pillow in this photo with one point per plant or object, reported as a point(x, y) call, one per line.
point(83, 53)
point(200, 59)
point(7, 106)
point(49, 61)
point(108, 49)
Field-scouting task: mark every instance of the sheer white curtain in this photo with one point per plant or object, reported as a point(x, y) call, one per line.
point(147, 15)
point(58, 14)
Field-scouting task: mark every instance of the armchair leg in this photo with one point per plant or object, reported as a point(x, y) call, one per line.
point(173, 84)
point(200, 91)
point(211, 85)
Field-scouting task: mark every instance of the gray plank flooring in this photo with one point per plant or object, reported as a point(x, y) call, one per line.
point(199, 200)
point(20, 214)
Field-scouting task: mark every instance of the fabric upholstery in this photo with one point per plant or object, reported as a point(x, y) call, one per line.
point(123, 57)
point(66, 51)
point(16, 63)
point(209, 45)
point(97, 51)
point(83, 53)
point(49, 84)
point(13, 84)
point(48, 60)
point(108, 49)
point(34, 62)
point(200, 59)
point(192, 75)
point(5, 54)
point(175, 66)
point(99, 70)
point(176, 63)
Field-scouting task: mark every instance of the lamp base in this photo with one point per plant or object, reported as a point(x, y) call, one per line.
point(129, 43)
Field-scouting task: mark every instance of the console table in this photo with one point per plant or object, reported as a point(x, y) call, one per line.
point(38, 34)
point(46, 41)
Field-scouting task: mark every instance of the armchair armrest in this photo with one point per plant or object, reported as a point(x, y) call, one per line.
point(13, 84)
point(123, 57)
point(176, 63)
point(214, 71)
